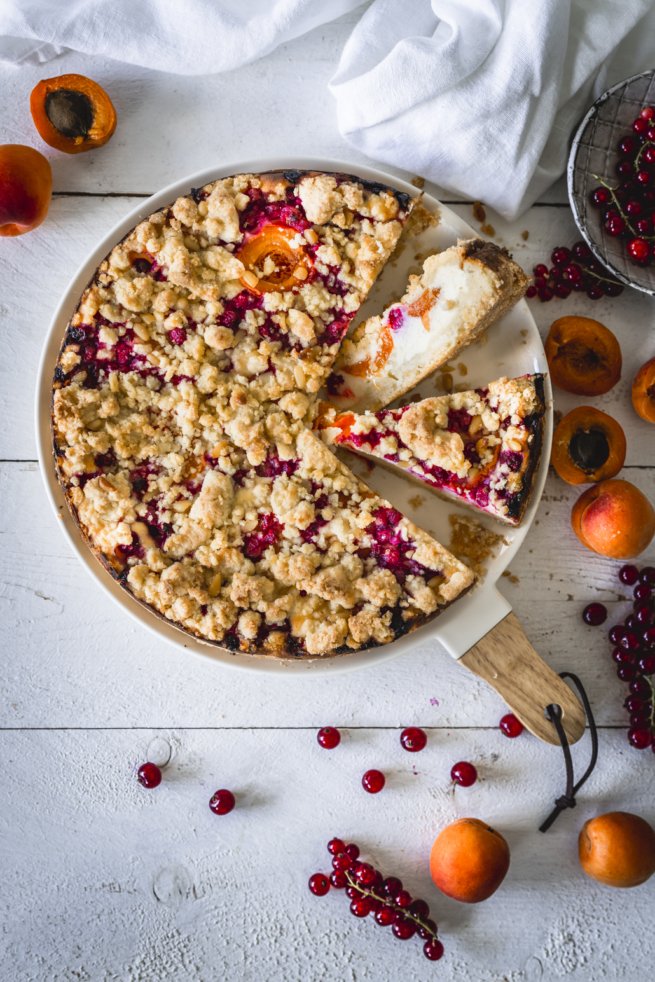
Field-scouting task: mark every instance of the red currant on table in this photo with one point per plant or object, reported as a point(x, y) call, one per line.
point(594, 614)
point(319, 884)
point(328, 737)
point(373, 781)
point(222, 802)
point(464, 774)
point(635, 655)
point(413, 739)
point(149, 775)
point(511, 726)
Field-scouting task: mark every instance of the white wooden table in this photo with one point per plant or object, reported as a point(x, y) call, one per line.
point(104, 880)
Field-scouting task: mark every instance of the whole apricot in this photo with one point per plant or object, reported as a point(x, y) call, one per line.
point(25, 188)
point(583, 355)
point(469, 860)
point(617, 849)
point(614, 518)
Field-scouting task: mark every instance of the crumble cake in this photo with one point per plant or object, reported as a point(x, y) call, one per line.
point(182, 394)
point(481, 447)
point(459, 294)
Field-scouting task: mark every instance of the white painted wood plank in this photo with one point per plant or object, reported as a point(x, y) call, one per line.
point(73, 658)
point(105, 880)
point(36, 268)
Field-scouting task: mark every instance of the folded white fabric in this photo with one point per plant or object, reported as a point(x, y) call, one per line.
point(479, 96)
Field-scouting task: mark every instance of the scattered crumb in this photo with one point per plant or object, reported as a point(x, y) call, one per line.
point(447, 382)
point(462, 368)
point(418, 182)
point(488, 230)
point(416, 501)
point(523, 332)
point(434, 701)
point(420, 219)
point(472, 543)
point(525, 235)
point(479, 212)
point(510, 576)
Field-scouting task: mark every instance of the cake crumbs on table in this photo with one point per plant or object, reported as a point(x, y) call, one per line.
point(510, 576)
point(488, 229)
point(525, 235)
point(479, 212)
point(416, 500)
point(418, 182)
point(472, 543)
point(462, 368)
point(420, 219)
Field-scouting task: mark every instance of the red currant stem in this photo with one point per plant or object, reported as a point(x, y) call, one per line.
point(389, 903)
point(597, 276)
point(648, 143)
point(620, 210)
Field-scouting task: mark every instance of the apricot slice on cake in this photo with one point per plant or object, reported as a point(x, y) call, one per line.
point(643, 392)
point(25, 188)
point(72, 113)
point(588, 446)
point(614, 518)
point(583, 355)
point(274, 260)
point(617, 849)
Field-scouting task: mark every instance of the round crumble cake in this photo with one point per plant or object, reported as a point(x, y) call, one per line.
point(183, 401)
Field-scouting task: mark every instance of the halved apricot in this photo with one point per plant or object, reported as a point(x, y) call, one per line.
point(583, 355)
point(72, 113)
point(373, 365)
point(272, 262)
point(588, 446)
point(643, 392)
point(614, 518)
point(25, 188)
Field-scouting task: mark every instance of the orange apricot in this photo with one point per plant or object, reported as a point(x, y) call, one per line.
point(469, 860)
point(614, 518)
point(588, 446)
point(25, 188)
point(272, 262)
point(72, 113)
point(583, 355)
point(643, 392)
point(617, 849)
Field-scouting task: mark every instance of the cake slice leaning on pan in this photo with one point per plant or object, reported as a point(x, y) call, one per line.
point(459, 294)
point(479, 447)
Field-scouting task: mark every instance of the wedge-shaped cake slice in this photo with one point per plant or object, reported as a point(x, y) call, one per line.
point(459, 294)
point(480, 447)
point(295, 557)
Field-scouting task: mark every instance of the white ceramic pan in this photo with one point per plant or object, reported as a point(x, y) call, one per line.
point(480, 630)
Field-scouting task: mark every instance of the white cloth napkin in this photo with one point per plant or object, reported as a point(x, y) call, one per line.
point(479, 96)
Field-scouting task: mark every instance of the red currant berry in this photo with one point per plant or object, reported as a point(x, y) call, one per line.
point(643, 177)
point(545, 294)
point(612, 289)
point(222, 802)
point(594, 614)
point(373, 781)
point(615, 633)
point(633, 207)
point(560, 256)
point(600, 197)
point(642, 592)
point(365, 874)
point(644, 614)
point(562, 291)
point(640, 687)
point(628, 574)
point(624, 168)
point(403, 929)
point(428, 929)
point(647, 665)
point(353, 893)
point(336, 846)
point(581, 251)
point(342, 862)
point(647, 575)
point(319, 884)
point(614, 226)
point(149, 775)
point(328, 737)
point(464, 774)
point(433, 950)
point(413, 739)
point(640, 126)
point(626, 673)
point(627, 145)
point(649, 155)
point(531, 292)
point(360, 907)
point(648, 637)
point(638, 250)
point(540, 270)
point(338, 879)
point(622, 657)
point(511, 726)
point(572, 273)
point(352, 851)
point(594, 292)
point(391, 886)
point(419, 909)
point(640, 738)
point(385, 916)
point(648, 112)
point(403, 899)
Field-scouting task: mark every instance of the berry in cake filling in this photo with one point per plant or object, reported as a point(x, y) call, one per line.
point(391, 549)
point(268, 532)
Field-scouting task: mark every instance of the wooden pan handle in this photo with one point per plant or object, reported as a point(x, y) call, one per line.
point(507, 661)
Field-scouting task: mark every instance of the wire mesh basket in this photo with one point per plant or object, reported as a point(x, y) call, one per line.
point(594, 155)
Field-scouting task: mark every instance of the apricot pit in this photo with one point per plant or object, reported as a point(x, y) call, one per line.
point(72, 113)
point(588, 446)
